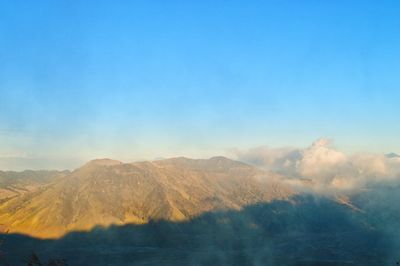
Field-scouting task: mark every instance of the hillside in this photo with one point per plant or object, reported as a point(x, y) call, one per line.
point(105, 192)
point(16, 183)
point(305, 231)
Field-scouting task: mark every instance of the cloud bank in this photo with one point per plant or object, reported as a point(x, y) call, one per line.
point(322, 167)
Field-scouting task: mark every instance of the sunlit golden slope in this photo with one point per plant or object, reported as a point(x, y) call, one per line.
point(105, 192)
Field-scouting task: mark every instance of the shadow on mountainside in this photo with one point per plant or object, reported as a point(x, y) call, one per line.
point(303, 231)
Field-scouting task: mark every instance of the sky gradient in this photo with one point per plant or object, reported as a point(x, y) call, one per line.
point(137, 80)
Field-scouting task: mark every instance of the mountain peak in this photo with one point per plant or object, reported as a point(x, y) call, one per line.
point(216, 161)
point(392, 155)
point(220, 158)
point(224, 160)
point(104, 162)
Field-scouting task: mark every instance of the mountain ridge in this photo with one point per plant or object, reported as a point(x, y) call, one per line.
point(13, 183)
point(105, 192)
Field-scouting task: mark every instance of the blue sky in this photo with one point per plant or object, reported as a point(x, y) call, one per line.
point(144, 79)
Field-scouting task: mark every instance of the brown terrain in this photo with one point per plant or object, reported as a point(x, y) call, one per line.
point(16, 183)
point(105, 192)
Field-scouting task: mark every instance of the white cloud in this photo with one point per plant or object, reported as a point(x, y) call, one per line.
point(320, 160)
point(323, 166)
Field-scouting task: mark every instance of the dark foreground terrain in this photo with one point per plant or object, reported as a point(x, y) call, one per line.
point(303, 231)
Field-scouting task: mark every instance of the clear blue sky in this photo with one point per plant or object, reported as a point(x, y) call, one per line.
point(142, 79)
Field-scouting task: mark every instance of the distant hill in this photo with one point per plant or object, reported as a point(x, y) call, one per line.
point(16, 183)
point(392, 155)
point(105, 192)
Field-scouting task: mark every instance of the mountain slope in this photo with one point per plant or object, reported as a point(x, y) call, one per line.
point(16, 183)
point(105, 192)
point(305, 230)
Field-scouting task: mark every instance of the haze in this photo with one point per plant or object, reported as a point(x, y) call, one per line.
point(148, 79)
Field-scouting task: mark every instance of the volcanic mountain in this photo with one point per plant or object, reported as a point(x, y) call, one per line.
point(105, 192)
